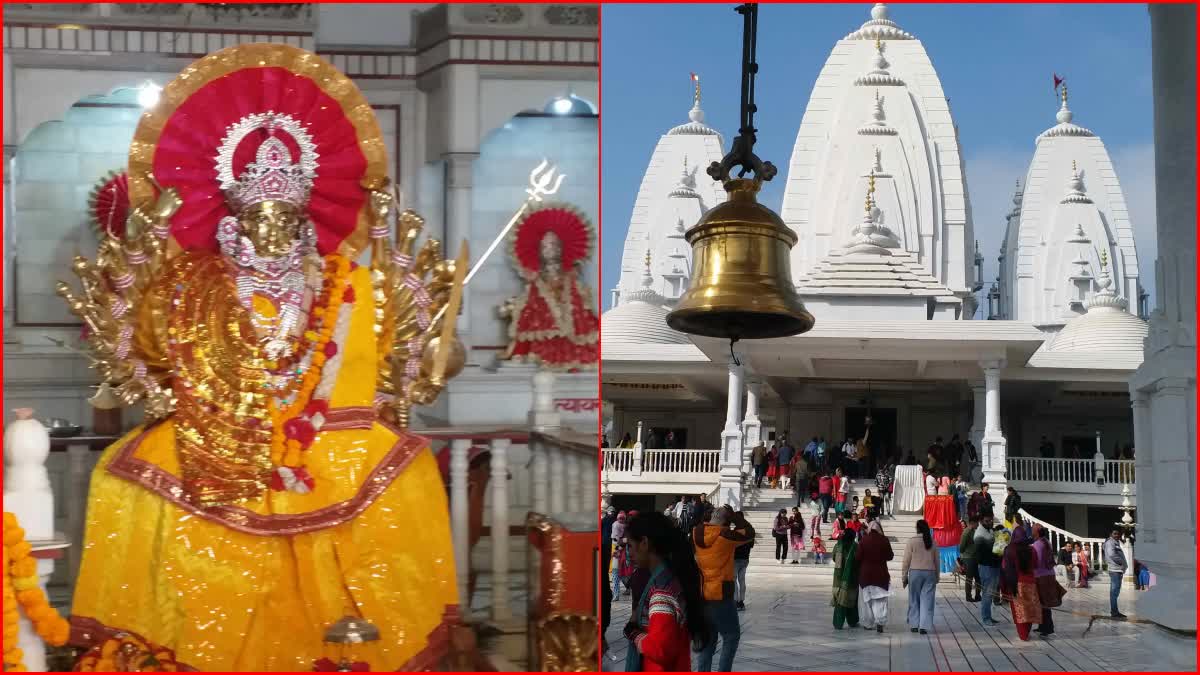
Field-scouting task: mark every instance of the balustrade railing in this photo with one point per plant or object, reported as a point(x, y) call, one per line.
point(1059, 536)
point(1119, 471)
point(663, 461)
point(618, 459)
point(682, 461)
point(1061, 470)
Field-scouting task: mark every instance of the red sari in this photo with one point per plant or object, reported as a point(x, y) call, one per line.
point(555, 326)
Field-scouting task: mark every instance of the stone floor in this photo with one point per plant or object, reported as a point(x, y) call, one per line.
point(790, 629)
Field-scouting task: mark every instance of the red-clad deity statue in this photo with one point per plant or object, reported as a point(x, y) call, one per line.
point(553, 322)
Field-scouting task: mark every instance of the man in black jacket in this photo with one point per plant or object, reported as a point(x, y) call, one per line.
point(1012, 504)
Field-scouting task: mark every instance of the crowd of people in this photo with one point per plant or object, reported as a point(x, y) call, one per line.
point(684, 569)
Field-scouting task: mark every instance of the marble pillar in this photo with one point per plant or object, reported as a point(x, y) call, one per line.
point(460, 179)
point(978, 391)
point(993, 447)
point(730, 482)
point(1163, 389)
point(751, 425)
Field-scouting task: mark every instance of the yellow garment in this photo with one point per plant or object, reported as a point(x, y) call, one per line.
point(253, 586)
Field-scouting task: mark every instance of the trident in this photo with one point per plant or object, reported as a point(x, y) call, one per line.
point(542, 182)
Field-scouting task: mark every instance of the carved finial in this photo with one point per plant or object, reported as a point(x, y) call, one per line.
point(1103, 259)
point(1064, 94)
point(879, 45)
point(696, 94)
point(870, 192)
point(878, 166)
point(1074, 167)
point(647, 261)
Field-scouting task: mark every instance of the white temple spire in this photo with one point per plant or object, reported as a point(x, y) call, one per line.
point(696, 114)
point(1075, 190)
point(879, 76)
point(877, 126)
point(1066, 125)
point(879, 27)
point(1105, 297)
point(869, 236)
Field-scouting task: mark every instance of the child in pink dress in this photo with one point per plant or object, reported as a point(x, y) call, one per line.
point(815, 531)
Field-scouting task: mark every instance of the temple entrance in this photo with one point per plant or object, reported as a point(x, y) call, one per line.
point(882, 440)
point(666, 438)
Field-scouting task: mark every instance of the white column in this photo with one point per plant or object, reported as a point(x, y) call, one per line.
point(558, 482)
point(460, 449)
point(994, 446)
point(544, 416)
point(1140, 402)
point(638, 451)
point(591, 484)
point(751, 425)
point(1098, 461)
point(574, 483)
point(500, 538)
point(976, 433)
point(730, 483)
point(1166, 445)
point(460, 169)
point(540, 478)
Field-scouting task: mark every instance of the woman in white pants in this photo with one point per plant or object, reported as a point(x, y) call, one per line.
point(874, 552)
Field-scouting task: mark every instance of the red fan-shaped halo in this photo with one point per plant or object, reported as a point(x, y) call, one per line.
point(108, 204)
point(571, 227)
point(179, 138)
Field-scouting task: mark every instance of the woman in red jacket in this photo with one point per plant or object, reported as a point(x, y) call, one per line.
point(668, 620)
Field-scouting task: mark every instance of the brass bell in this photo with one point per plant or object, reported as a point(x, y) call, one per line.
point(741, 286)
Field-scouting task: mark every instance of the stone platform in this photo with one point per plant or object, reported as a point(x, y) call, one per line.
point(787, 627)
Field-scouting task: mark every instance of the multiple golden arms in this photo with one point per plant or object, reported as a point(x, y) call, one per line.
point(125, 318)
point(412, 286)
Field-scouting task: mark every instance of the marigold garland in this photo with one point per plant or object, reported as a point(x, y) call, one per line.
point(22, 588)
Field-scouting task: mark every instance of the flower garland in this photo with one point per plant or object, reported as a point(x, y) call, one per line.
point(22, 587)
point(294, 426)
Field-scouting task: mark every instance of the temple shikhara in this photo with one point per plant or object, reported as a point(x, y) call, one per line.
point(1042, 379)
point(301, 337)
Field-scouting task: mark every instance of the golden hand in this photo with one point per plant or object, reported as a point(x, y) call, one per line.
point(381, 206)
point(168, 201)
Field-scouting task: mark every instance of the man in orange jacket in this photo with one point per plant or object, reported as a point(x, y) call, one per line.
point(715, 543)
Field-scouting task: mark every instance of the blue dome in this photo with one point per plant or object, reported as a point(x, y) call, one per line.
point(569, 105)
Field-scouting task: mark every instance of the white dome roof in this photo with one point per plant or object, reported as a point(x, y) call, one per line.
point(639, 322)
point(1102, 329)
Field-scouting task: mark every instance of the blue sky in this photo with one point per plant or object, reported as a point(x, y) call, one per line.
point(995, 62)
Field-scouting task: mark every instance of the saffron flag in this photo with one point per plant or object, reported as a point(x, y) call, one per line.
point(1057, 81)
point(695, 77)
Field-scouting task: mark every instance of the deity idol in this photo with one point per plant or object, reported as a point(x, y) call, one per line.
point(553, 323)
point(265, 499)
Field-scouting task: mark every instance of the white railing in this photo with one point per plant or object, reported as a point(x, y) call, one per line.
point(618, 459)
point(1059, 536)
point(1119, 471)
point(1059, 470)
point(682, 461)
point(687, 461)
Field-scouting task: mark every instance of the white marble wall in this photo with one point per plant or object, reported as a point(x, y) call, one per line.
point(54, 170)
point(501, 174)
